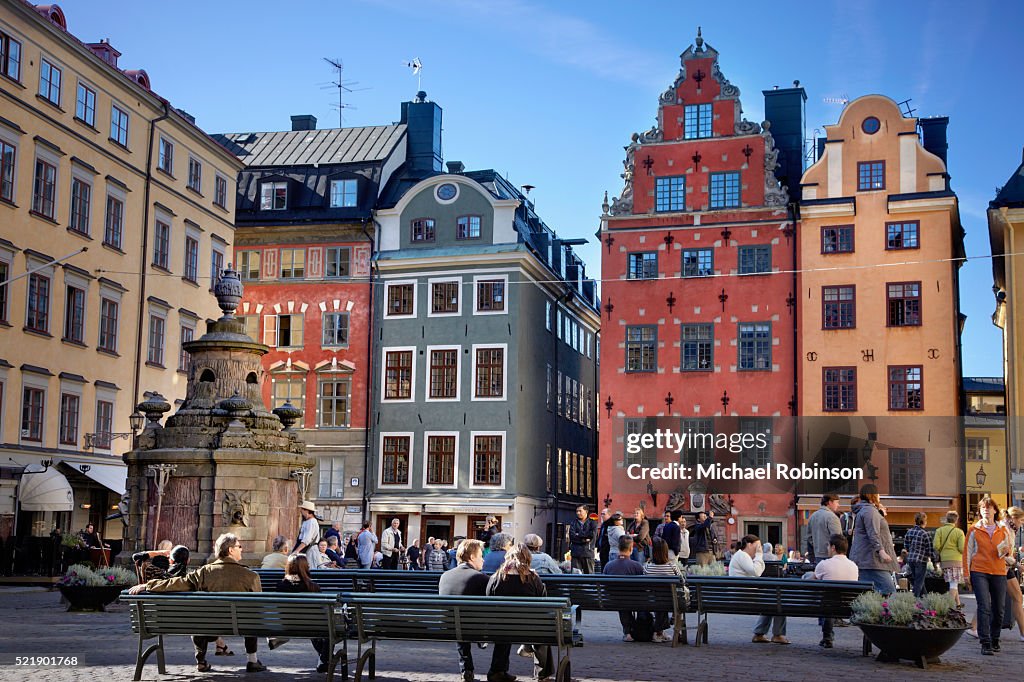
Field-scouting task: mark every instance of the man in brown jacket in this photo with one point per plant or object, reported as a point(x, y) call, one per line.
point(226, 574)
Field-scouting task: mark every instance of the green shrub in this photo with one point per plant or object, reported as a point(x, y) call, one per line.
point(941, 604)
point(714, 569)
point(931, 612)
point(867, 608)
point(81, 575)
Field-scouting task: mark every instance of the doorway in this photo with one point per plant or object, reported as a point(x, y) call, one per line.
point(439, 527)
point(475, 524)
point(384, 520)
point(767, 531)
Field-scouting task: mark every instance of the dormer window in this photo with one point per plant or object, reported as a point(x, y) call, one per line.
point(696, 121)
point(273, 196)
point(467, 227)
point(423, 230)
point(344, 193)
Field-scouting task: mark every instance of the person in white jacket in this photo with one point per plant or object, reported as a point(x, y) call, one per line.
point(748, 562)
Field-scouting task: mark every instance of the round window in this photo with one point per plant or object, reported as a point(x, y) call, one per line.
point(870, 125)
point(447, 191)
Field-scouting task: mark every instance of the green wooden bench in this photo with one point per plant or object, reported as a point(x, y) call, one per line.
point(771, 597)
point(360, 580)
point(415, 617)
point(245, 614)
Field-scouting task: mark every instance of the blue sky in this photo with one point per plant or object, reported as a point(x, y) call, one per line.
point(549, 93)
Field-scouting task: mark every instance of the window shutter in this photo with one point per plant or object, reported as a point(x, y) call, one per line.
point(270, 330)
point(297, 339)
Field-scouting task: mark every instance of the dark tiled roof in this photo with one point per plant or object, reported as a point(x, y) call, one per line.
point(308, 147)
point(983, 385)
point(1012, 193)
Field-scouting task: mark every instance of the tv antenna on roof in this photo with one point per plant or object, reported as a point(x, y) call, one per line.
point(417, 67)
point(844, 100)
point(905, 107)
point(343, 86)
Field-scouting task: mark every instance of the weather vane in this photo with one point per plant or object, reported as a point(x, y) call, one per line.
point(417, 66)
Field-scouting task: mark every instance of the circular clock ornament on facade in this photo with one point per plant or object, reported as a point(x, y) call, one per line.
point(447, 192)
point(871, 125)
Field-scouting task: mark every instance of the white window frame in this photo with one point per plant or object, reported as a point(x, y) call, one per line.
point(220, 177)
point(384, 373)
point(430, 296)
point(85, 178)
point(73, 279)
point(415, 296)
point(476, 290)
point(196, 236)
point(272, 185)
point(458, 374)
point(272, 329)
point(89, 88)
point(48, 157)
point(118, 194)
point(114, 296)
point(320, 472)
point(127, 121)
point(504, 373)
point(333, 376)
point(12, 140)
point(54, 66)
point(381, 485)
point(293, 373)
point(39, 382)
point(472, 459)
point(162, 142)
point(455, 466)
point(323, 317)
point(192, 158)
point(330, 190)
point(159, 312)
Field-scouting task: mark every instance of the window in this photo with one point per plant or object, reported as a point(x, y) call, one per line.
point(646, 456)
point(285, 331)
point(700, 449)
point(755, 259)
point(293, 263)
point(7, 152)
point(165, 156)
point(184, 357)
point(289, 388)
point(838, 239)
point(444, 297)
point(104, 424)
point(248, 264)
point(252, 325)
point(195, 174)
point(108, 325)
point(191, 259)
point(490, 295)
point(641, 349)
point(335, 402)
point(344, 193)
point(841, 458)
point(401, 299)
point(870, 175)
point(423, 230)
point(839, 386)
point(697, 263)
point(490, 373)
point(37, 316)
point(220, 191)
point(444, 373)
point(85, 105)
point(69, 409)
point(696, 121)
point(338, 261)
point(755, 351)
point(487, 460)
point(273, 196)
point(670, 194)
point(32, 414)
point(157, 327)
point(904, 299)
point(547, 387)
point(643, 265)
point(10, 57)
point(440, 460)
point(162, 245)
point(74, 315)
point(44, 189)
point(839, 307)
point(906, 471)
point(113, 223)
point(49, 82)
point(216, 265)
point(395, 460)
point(118, 125)
point(5, 274)
point(332, 476)
point(335, 326)
point(725, 190)
point(756, 456)
point(398, 375)
point(906, 388)
point(901, 235)
point(81, 194)
point(467, 227)
point(698, 347)
point(977, 449)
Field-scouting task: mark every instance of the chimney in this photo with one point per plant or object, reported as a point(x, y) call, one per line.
point(455, 167)
point(303, 122)
point(785, 110)
point(933, 134)
point(187, 116)
point(423, 124)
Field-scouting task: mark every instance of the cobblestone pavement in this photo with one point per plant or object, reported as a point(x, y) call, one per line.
point(35, 624)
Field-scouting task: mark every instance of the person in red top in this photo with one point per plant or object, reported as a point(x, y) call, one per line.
point(988, 553)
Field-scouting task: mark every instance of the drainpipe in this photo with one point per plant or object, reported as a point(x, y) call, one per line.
point(145, 248)
point(794, 211)
point(370, 373)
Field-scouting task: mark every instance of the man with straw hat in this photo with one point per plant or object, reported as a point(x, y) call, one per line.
point(309, 534)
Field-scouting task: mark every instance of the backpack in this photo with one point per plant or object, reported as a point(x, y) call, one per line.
point(643, 627)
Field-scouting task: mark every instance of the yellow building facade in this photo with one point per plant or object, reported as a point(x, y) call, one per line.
point(879, 355)
point(986, 469)
point(116, 211)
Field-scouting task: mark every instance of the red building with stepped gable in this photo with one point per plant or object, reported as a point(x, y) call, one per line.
point(697, 331)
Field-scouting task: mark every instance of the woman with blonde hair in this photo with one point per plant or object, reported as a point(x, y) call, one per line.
point(949, 543)
point(515, 578)
point(989, 554)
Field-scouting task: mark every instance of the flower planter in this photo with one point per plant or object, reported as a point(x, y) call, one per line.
point(86, 598)
point(902, 643)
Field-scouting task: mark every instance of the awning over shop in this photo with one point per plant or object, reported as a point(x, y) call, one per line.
point(111, 476)
point(45, 490)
